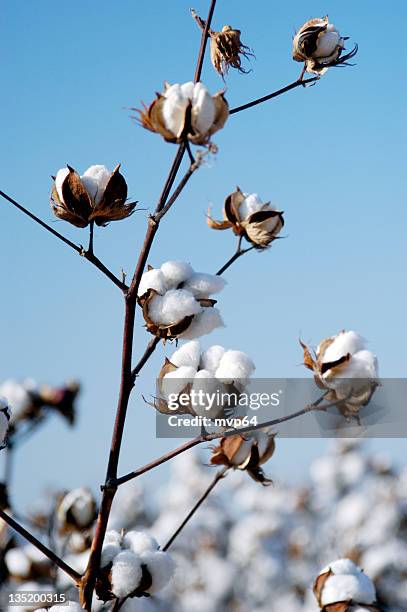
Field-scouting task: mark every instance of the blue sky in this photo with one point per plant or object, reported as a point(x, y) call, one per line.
point(332, 157)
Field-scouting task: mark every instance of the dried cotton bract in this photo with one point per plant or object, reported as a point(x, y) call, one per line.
point(5, 414)
point(343, 587)
point(176, 303)
point(344, 368)
point(185, 111)
point(319, 44)
point(246, 452)
point(248, 216)
point(98, 195)
point(76, 511)
point(226, 49)
point(208, 374)
point(132, 566)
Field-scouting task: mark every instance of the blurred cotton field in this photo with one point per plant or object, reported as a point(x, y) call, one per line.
point(248, 547)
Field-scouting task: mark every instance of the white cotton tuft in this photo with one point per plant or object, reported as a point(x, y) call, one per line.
point(176, 381)
point(152, 279)
point(251, 204)
point(173, 307)
point(16, 395)
point(126, 573)
point(348, 583)
point(161, 567)
point(210, 359)
point(173, 109)
point(202, 285)
point(203, 109)
point(327, 43)
point(140, 542)
point(109, 552)
point(208, 320)
point(344, 343)
point(18, 563)
point(113, 537)
point(80, 504)
point(363, 364)
point(59, 179)
point(176, 272)
point(188, 354)
point(95, 180)
point(235, 365)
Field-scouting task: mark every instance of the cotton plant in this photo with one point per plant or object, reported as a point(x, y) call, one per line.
point(250, 218)
point(132, 565)
point(346, 369)
point(186, 111)
point(211, 381)
point(176, 301)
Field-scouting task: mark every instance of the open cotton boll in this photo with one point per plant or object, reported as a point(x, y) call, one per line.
point(208, 320)
point(176, 272)
point(344, 343)
point(202, 285)
point(174, 107)
point(140, 542)
point(347, 583)
point(59, 179)
point(187, 355)
point(95, 180)
point(152, 279)
point(327, 42)
point(251, 204)
point(235, 365)
point(161, 567)
point(203, 109)
point(173, 307)
point(126, 573)
point(175, 382)
point(210, 359)
point(80, 504)
point(18, 563)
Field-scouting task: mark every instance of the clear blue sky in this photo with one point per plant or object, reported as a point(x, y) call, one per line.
point(332, 157)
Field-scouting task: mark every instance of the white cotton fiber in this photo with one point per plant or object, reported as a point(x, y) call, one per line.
point(113, 537)
point(234, 365)
point(251, 204)
point(176, 381)
point(202, 285)
point(18, 564)
point(152, 279)
point(187, 355)
point(363, 364)
point(161, 567)
point(80, 503)
point(172, 307)
point(176, 272)
point(344, 343)
point(347, 583)
point(126, 573)
point(203, 109)
point(95, 180)
point(210, 359)
point(59, 179)
point(109, 552)
point(208, 320)
point(140, 542)
point(173, 109)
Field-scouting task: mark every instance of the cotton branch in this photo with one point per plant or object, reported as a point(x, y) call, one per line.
point(220, 474)
point(76, 577)
point(89, 255)
point(239, 252)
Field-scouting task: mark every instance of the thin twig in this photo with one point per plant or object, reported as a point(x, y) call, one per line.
point(89, 255)
point(279, 92)
point(238, 253)
point(91, 232)
point(176, 193)
point(46, 551)
point(219, 475)
point(145, 357)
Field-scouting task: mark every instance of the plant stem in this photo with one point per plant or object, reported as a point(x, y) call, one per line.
point(238, 253)
point(91, 231)
point(274, 94)
point(46, 551)
point(220, 474)
point(151, 346)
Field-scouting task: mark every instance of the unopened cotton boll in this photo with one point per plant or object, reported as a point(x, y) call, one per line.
point(152, 279)
point(210, 359)
point(173, 307)
point(202, 285)
point(176, 272)
point(188, 354)
point(204, 323)
point(126, 573)
point(161, 567)
point(235, 365)
point(140, 542)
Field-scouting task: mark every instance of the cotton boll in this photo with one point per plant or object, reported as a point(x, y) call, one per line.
point(95, 180)
point(188, 90)
point(210, 359)
point(187, 355)
point(152, 279)
point(81, 506)
point(161, 567)
point(59, 179)
point(109, 552)
point(126, 573)
point(173, 307)
point(203, 109)
point(208, 320)
point(140, 542)
point(176, 272)
point(173, 110)
point(17, 395)
point(202, 285)
point(344, 343)
point(18, 563)
point(251, 204)
point(348, 583)
point(327, 43)
point(235, 365)
point(174, 382)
